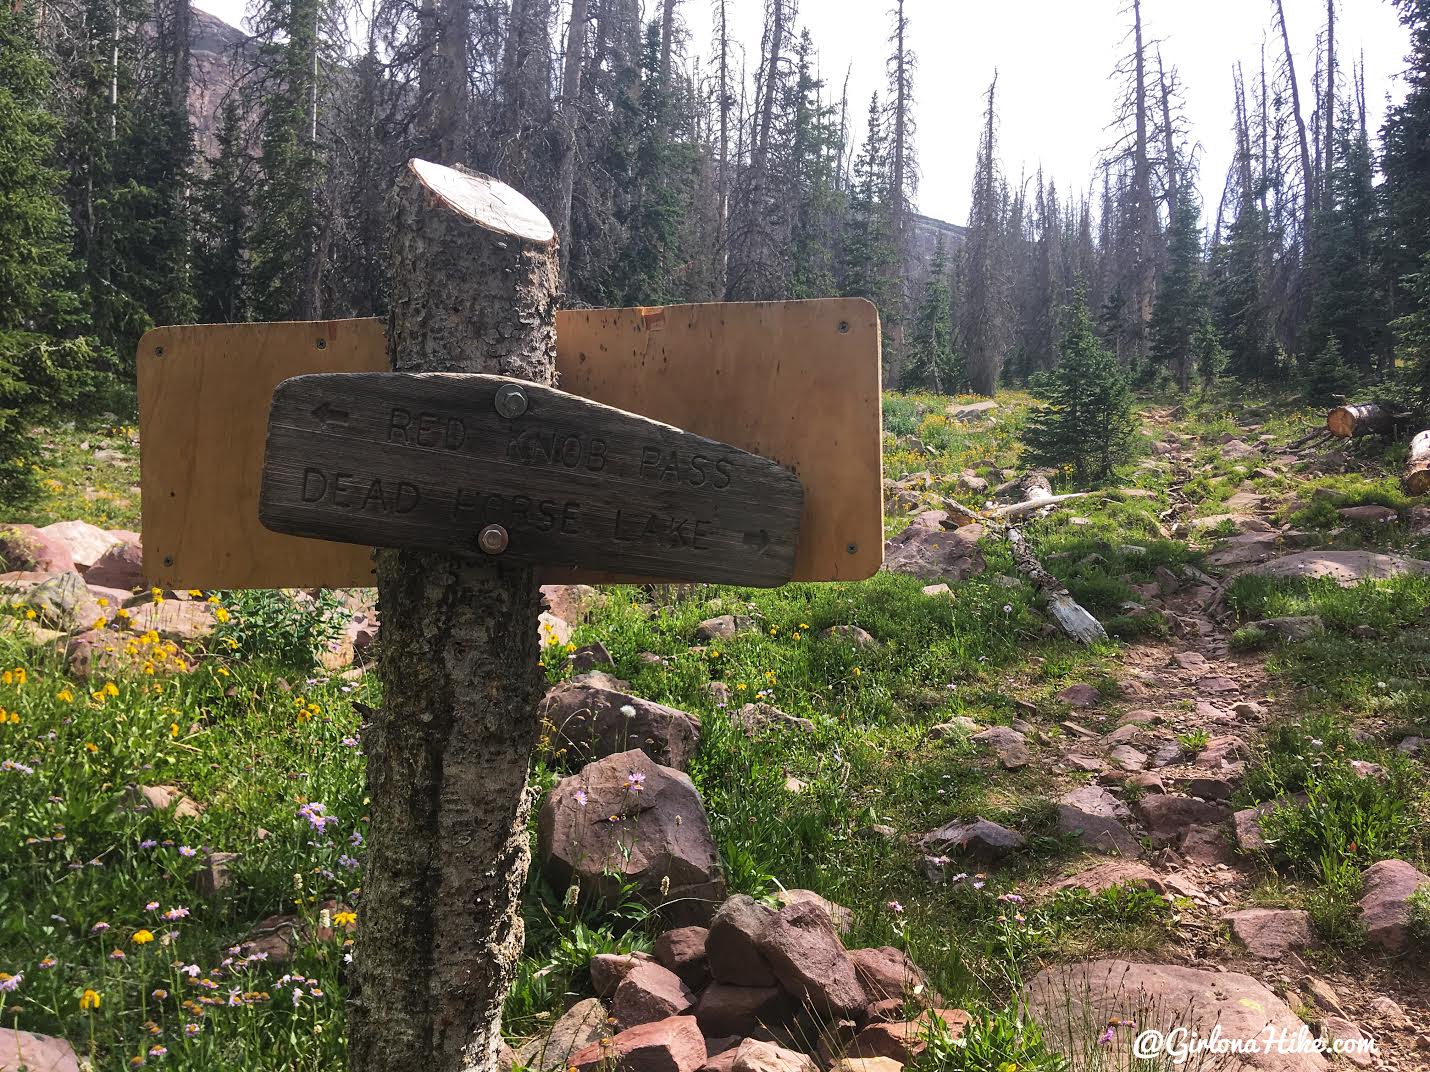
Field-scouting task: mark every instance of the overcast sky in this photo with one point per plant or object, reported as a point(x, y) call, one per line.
point(1054, 60)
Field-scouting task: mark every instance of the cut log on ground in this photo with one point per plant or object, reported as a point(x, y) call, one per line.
point(1364, 418)
point(474, 281)
point(1416, 480)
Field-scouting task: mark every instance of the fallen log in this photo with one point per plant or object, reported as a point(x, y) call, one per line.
point(1416, 480)
point(1029, 506)
point(1364, 418)
point(1071, 617)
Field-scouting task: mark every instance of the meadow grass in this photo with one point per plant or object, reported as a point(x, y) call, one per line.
point(269, 745)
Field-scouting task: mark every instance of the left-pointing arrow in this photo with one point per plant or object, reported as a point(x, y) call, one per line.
point(326, 413)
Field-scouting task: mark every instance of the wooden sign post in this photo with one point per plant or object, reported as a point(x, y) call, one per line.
point(450, 449)
point(474, 278)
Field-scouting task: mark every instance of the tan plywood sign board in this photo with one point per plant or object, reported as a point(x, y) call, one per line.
point(797, 382)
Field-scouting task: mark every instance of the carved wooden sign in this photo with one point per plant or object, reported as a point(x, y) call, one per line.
point(521, 472)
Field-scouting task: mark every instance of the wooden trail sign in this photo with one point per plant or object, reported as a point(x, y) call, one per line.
point(793, 381)
point(474, 464)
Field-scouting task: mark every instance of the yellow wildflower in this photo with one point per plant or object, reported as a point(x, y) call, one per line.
point(90, 999)
point(342, 919)
point(90, 746)
point(173, 729)
point(142, 937)
point(220, 614)
point(110, 689)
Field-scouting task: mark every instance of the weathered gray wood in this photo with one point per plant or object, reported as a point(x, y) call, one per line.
point(447, 756)
point(428, 461)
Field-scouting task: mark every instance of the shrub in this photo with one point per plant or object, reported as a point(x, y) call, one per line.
point(282, 627)
point(1087, 426)
point(901, 415)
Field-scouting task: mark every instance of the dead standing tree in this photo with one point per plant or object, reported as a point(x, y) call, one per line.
point(474, 282)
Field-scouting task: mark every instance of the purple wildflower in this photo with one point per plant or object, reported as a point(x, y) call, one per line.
point(185, 850)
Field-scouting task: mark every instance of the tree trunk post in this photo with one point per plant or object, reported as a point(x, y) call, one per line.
point(474, 281)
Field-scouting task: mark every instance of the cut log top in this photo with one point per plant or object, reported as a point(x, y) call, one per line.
point(1416, 480)
point(488, 203)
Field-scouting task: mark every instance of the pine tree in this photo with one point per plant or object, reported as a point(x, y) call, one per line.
point(1207, 353)
point(1348, 299)
point(221, 222)
point(45, 365)
point(286, 269)
point(1087, 426)
point(985, 311)
point(932, 362)
point(869, 256)
point(1180, 308)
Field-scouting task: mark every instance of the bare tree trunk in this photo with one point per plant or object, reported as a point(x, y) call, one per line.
point(1146, 210)
point(452, 23)
point(1330, 102)
point(474, 290)
point(667, 38)
point(567, 125)
point(722, 235)
point(1168, 143)
point(900, 162)
point(1307, 177)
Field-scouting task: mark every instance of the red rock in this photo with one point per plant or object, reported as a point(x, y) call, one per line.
point(571, 602)
point(1066, 998)
point(841, 917)
point(732, 945)
point(608, 969)
point(581, 1025)
point(122, 566)
point(1166, 815)
point(887, 972)
point(931, 553)
point(1080, 696)
point(1385, 905)
point(24, 547)
point(648, 993)
point(1206, 846)
point(591, 720)
point(1272, 932)
point(980, 839)
point(903, 1040)
point(1095, 815)
point(1110, 873)
point(683, 951)
point(803, 949)
point(35, 1053)
point(659, 841)
point(723, 1009)
point(752, 1055)
point(672, 1045)
point(85, 543)
point(723, 1060)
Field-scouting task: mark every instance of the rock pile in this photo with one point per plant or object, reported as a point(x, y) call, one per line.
point(758, 990)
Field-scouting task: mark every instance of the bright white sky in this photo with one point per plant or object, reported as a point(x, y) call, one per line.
point(1054, 60)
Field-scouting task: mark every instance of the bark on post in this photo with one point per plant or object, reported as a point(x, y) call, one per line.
point(1416, 480)
point(474, 278)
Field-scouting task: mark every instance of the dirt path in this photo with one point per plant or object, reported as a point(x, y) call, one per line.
point(1191, 688)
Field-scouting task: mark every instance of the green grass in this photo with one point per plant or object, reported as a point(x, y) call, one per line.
point(90, 470)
